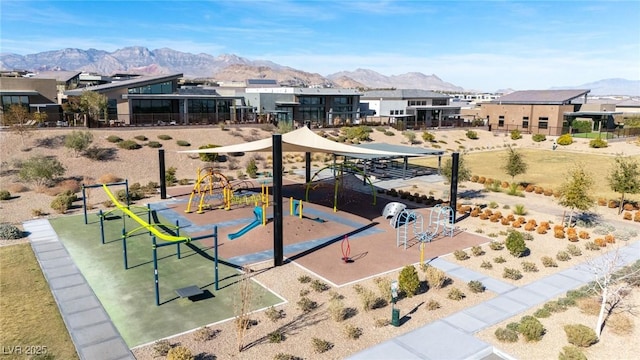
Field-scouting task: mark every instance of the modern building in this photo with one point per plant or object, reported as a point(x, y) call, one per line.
point(535, 111)
point(416, 108)
point(321, 106)
point(37, 95)
point(158, 100)
point(65, 80)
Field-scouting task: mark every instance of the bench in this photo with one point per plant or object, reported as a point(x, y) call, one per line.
point(189, 291)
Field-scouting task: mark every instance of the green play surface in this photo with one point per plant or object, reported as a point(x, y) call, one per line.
point(128, 296)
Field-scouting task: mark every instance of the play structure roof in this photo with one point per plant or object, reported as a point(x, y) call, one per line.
point(396, 149)
point(303, 140)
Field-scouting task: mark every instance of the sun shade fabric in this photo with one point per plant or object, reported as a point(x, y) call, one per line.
point(300, 140)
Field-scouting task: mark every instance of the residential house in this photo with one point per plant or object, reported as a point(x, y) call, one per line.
point(38, 95)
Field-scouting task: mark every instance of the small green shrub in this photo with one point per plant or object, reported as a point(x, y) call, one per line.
point(547, 261)
point(183, 143)
point(433, 305)
point(598, 143)
point(319, 286)
point(408, 281)
point(5, 195)
point(283, 356)
point(63, 201)
point(591, 246)
point(170, 176)
point(389, 133)
point(542, 313)
point(531, 328)
point(456, 294)
point(528, 266)
point(477, 251)
point(114, 139)
point(516, 135)
point(154, 144)
point(10, 232)
point(580, 335)
point(384, 287)
point(563, 256)
point(570, 352)
point(382, 322)
point(273, 314)
point(352, 332)
point(565, 140)
point(519, 209)
point(129, 145)
point(337, 310)
point(303, 279)
point(555, 306)
point(486, 265)
point(179, 353)
point(161, 347)
point(306, 305)
point(436, 278)
point(574, 250)
point(205, 333)
point(499, 260)
point(164, 137)
point(472, 134)
point(513, 326)
point(539, 137)
point(304, 292)
point(428, 137)
point(141, 138)
point(476, 286)
point(252, 168)
point(506, 335)
point(460, 255)
point(513, 274)
point(496, 245)
point(515, 244)
point(276, 337)
point(320, 346)
point(208, 157)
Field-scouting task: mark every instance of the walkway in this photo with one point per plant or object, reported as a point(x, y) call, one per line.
point(91, 329)
point(453, 337)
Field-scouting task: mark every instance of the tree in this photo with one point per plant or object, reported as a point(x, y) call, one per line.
point(514, 163)
point(464, 173)
point(574, 192)
point(613, 282)
point(78, 141)
point(90, 103)
point(243, 304)
point(624, 178)
point(17, 118)
point(41, 170)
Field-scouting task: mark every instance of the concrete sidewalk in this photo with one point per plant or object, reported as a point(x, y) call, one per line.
point(91, 329)
point(453, 337)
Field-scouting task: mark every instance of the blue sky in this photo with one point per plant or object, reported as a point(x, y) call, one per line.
point(483, 45)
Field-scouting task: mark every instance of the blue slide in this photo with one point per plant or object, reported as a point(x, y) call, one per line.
point(257, 211)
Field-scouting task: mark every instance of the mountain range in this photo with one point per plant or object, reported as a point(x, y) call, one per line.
point(229, 67)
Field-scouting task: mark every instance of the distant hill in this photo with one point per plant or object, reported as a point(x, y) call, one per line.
point(608, 87)
point(412, 80)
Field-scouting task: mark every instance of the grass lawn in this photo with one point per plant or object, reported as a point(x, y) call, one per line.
point(128, 295)
point(28, 313)
point(546, 168)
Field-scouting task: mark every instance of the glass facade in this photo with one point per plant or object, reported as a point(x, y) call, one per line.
point(159, 88)
point(8, 100)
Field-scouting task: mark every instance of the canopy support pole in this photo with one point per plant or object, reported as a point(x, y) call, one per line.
point(278, 248)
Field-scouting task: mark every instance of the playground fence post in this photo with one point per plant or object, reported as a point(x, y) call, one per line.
point(84, 205)
point(101, 225)
point(149, 216)
point(215, 254)
point(155, 270)
point(124, 248)
point(178, 234)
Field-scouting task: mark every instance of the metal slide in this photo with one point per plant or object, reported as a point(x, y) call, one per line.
point(151, 228)
point(257, 211)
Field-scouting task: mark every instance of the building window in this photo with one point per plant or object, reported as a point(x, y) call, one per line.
point(500, 121)
point(543, 123)
point(439, 102)
point(8, 100)
point(160, 88)
point(525, 122)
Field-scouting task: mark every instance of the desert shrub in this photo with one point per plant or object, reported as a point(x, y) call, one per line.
point(472, 134)
point(580, 335)
point(620, 324)
point(542, 313)
point(496, 245)
point(164, 137)
point(589, 305)
point(456, 294)
point(555, 306)
point(460, 255)
point(5, 195)
point(320, 346)
point(389, 133)
point(571, 353)
point(352, 331)
point(598, 143)
point(548, 261)
point(433, 305)
point(516, 135)
point(100, 154)
point(513, 274)
point(183, 143)
point(337, 310)
point(476, 286)
point(577, 294)
point(515, 244)
point(528, 266)
point(208, 157)
point(592, 246)
point(41, 170)
point(531, 328)
point(408, 281)
point(252, 168)
point(154, 144)
point(368, 299)
point(276, 337)
point(274, 314)
point(436, 278)
point(477, 251)
point(179, 353)
point(205, 333)
point(538, 137)
point(565, 140)
point(114, 139)
point(319, 286)
point(527, 237)
point(486, 265)
point(506, 335)
point(563, 256)
point(428, 137)
point(384, 286)
point(161, 347)
point(63, 201)
point(129, 145)
point(573, 250)
point(304, 292)
point(303, 279)
point(306, 305)
point(78, 141)
point(499, 260)
point(10, 232)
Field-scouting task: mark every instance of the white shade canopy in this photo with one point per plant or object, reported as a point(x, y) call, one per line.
point(300, 140)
